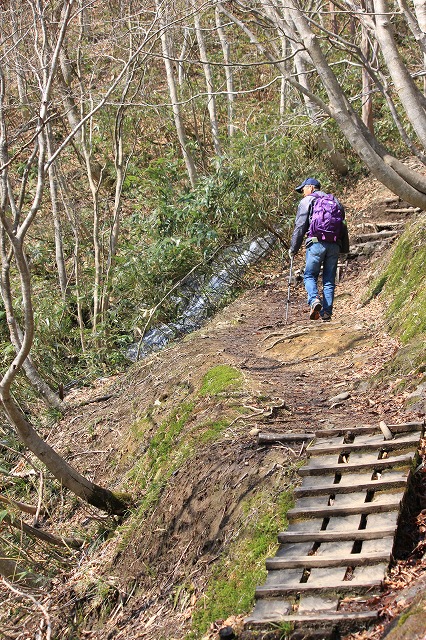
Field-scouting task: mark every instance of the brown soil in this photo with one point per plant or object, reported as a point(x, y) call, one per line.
point(292, 373)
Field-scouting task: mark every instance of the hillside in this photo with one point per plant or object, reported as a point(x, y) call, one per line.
point(179, 432)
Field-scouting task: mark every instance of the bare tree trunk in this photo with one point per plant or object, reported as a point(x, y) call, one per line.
point(15, 234)
point(409, 185)
point(16, 337)
point(88, 491)
point(181, 67)
point(420, 9)
point(230, 94)
point(57, 226)
point(412, 99)
point(367, 83)
point(211, 99)
point(189, 161)
point(301, 62)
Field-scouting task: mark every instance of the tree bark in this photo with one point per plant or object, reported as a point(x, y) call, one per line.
point(211, 99)
point(412, 99)
point(230, 96)
point(88, 491)
point(189, 161)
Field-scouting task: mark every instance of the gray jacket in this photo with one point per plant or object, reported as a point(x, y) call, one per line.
point(302, 221)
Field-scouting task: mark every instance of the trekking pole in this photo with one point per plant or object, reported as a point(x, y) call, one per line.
point(288, 291)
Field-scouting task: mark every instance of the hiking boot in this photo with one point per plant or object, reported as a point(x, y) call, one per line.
point(326, 317)
point(316, 307)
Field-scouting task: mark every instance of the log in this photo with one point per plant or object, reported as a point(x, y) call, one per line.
point(267, 438)
point(367, 237)
point(407, 210)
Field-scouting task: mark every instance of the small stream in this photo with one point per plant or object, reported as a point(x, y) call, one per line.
point(203, 295)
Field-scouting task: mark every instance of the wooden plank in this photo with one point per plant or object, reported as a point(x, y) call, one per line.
point(331, 618)
point(377, 506)
point(375, 520)
point(319, 466)
point(366, 237)
point(294, 550)
point(269, 611)
point(378, 497)
point(277, 590)
point(372, 444)
point(405, 210)
point(348, 500)
point(405, 427)
point(363, 574)
point(350, 560)
point(376, 439)
point(330, 432)
point(338, 616)
point(344, 487)
point(331, 536)
point(268, 438)
point(309, 604)
point(378, 545)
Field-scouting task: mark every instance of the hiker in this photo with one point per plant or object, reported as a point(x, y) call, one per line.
point(323, 244)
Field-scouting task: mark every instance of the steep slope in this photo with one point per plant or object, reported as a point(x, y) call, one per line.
point(179, 432)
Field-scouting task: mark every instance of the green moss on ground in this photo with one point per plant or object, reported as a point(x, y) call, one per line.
point(403, 283)
point(231, 588)
point(220, 379)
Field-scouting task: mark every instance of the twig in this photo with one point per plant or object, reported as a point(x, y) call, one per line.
point(74, 543)
point(40, 498)
point(289, 336)
point(97, 399)
point(22, 506)
point(38, 604)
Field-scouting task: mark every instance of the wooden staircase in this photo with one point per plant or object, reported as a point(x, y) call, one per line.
point(341, 533)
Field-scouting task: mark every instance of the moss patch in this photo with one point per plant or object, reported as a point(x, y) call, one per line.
point(404, 285)
point(231, 587)
point(219, 379)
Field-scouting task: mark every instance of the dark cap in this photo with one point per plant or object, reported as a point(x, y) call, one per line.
point(312, 181)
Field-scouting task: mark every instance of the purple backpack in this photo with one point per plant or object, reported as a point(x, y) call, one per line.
point(326, 218)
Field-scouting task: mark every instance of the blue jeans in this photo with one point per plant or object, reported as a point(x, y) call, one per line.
point(317, 254)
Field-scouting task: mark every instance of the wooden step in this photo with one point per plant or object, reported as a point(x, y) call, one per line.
point(277, 590)
point(335, 536)
point(350, 560)
point(268, 438)
point(332, 617)
point(372, 443)
point(342, 487)
point(332, 510)
point(405, 427)
point(378, 235)
point(319, 466)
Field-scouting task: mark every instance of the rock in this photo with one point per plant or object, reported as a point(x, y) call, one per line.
point(340, 397)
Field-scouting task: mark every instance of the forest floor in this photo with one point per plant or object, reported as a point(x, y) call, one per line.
point(295, 368)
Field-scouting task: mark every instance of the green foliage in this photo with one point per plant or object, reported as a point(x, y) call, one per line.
point(234, 578)
point(219, 379)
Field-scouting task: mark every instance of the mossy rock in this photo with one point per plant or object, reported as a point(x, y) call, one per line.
point(411, 625)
